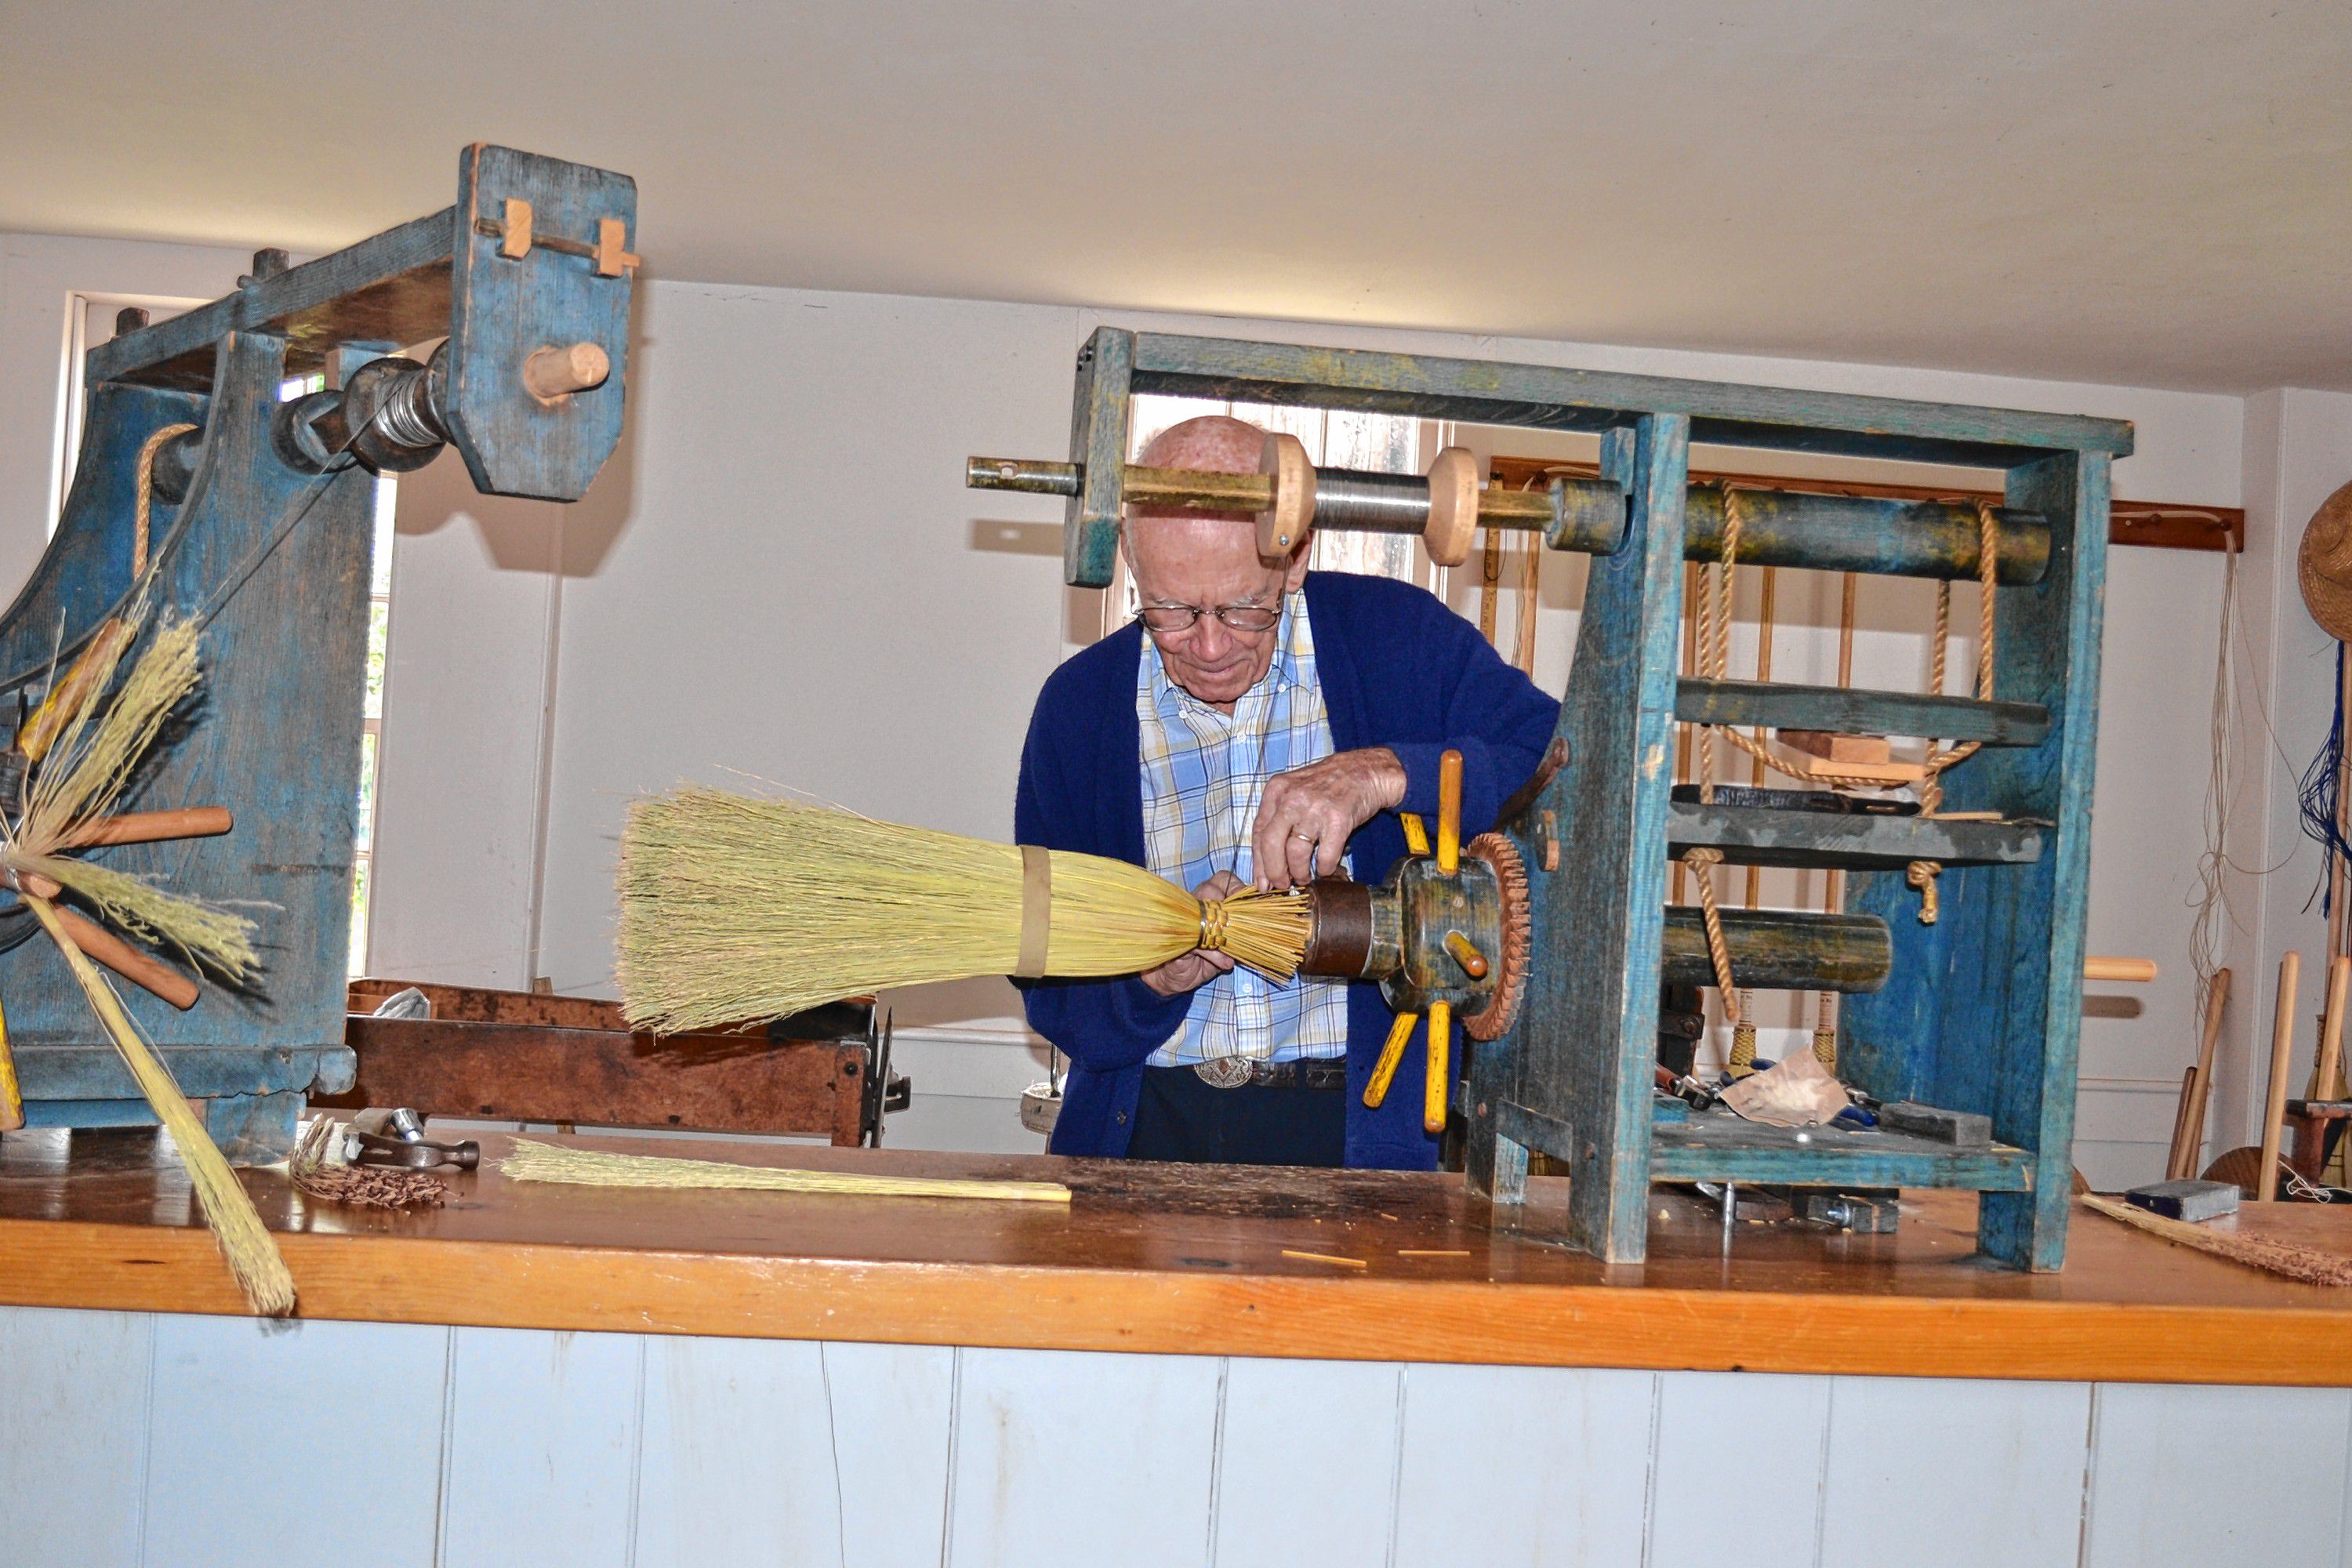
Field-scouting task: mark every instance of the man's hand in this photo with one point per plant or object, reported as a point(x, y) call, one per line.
point(1306, 816)
point(1196, 968)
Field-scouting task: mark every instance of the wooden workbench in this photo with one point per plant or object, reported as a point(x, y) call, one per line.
point(1223, 1261)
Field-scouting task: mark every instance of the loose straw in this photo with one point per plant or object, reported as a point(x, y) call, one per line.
point(535, 1161)
point(2307, 1264)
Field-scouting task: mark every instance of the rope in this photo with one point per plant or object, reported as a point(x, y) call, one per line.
point(146, 495)
point(1702, 862)
point(1922, 874)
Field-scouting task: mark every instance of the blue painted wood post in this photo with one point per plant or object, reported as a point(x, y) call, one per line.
point(1580, 1060)
point(1098, 442)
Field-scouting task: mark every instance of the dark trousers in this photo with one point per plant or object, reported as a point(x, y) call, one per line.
point(1181, 1118)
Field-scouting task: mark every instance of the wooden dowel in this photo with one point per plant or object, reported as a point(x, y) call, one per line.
point(1441, 1067)
point(11, 1094)
point(2172, 1150)
point(1846, 632)
point(2331, 1031)
point(2185, 1151)
point(152, 826)
point(127, 961)
point(2141, 969)
point(2282, 1051)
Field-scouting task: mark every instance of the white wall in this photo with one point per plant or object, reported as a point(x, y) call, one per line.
point(782, 573)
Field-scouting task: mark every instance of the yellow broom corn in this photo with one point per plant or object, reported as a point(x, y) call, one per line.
point(736, 907)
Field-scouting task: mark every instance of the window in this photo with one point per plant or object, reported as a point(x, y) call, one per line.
point(1383, 443)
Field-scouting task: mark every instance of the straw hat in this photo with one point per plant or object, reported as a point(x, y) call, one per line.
point(2325, 564)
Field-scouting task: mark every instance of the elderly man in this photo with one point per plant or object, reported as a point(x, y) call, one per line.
point(1259, 724)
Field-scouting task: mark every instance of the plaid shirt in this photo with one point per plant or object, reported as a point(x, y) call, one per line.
point(1204, 772)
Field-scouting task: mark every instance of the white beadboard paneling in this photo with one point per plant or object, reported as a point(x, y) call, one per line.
point(73, 1435)
point(892, 1410)
point(1765, 1435)
point(542, 1449)
point(1305, 1452)
point(738, 1462)
point(1927, 1471)
point(2194, 1476)
point(1539, 1466)
point(1082, 1458)
point(269, 1440)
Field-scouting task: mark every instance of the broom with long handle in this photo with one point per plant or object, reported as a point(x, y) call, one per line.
point(736, 907)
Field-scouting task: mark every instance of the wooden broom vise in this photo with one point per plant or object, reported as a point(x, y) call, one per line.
point(736, 907)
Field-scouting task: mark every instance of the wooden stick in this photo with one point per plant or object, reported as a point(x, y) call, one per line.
point(2186, 1149)
point(1530, 599)
point(2282, 1049)
point(149, 974)
point(2324, 1069)
point(1845, 633)
point(2172, 1150)
point(2135, 969)
point(151, 827)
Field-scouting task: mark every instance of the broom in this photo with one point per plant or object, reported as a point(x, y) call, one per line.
point(736, 907)
point(95, 750)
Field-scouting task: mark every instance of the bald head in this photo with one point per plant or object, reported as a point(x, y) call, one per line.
point(1208, 561)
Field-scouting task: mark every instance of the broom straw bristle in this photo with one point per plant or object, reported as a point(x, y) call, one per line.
point(736, 907)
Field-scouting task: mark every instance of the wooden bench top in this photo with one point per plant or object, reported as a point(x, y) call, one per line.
point(1182, 1260)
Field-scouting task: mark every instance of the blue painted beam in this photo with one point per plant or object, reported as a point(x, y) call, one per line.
point(1848, 710)
point(1719, 1147)
point(1757, 836)
point(1557, 398)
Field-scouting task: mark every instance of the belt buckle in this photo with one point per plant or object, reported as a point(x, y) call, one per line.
point(1224, 1072)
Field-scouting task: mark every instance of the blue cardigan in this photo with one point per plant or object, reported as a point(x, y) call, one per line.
point(1399, 670)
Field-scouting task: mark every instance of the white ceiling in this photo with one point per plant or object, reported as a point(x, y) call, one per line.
point(2139, 191)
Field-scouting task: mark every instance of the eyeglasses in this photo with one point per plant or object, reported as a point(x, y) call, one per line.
point(1168, 619)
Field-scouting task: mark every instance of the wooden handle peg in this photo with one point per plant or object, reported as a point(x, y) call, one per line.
point(2137, 969)
point(1384, 1071)
point(552, 374)
point(1449, 813)
point(1441, 1067)
point(141, 969)
point(152, 826)
point(2282, 1050)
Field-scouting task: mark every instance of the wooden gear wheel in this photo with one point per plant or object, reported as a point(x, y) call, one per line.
point(1511, 963)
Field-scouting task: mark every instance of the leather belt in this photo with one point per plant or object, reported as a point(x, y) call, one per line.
point(1232, 1072)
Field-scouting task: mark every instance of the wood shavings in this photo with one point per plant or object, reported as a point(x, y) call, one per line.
point(2307, 1264)
point(362, 1186)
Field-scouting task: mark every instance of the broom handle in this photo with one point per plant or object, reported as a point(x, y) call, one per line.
point(2192, 1142)
point(2331, 1032)
point(2282, 1049)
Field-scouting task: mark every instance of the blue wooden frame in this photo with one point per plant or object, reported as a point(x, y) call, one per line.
point(1981, 1012)
point(276, 559)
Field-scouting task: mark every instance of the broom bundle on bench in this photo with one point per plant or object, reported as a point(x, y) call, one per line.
point(736, 907)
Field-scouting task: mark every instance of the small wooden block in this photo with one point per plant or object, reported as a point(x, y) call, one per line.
point(1875, 749)
point(1280, 527)
point(1452, 506)
point(2192, 1201)
point(613, 257)
point(1960, 1129)
point(514, 236)
point(1811, 767)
